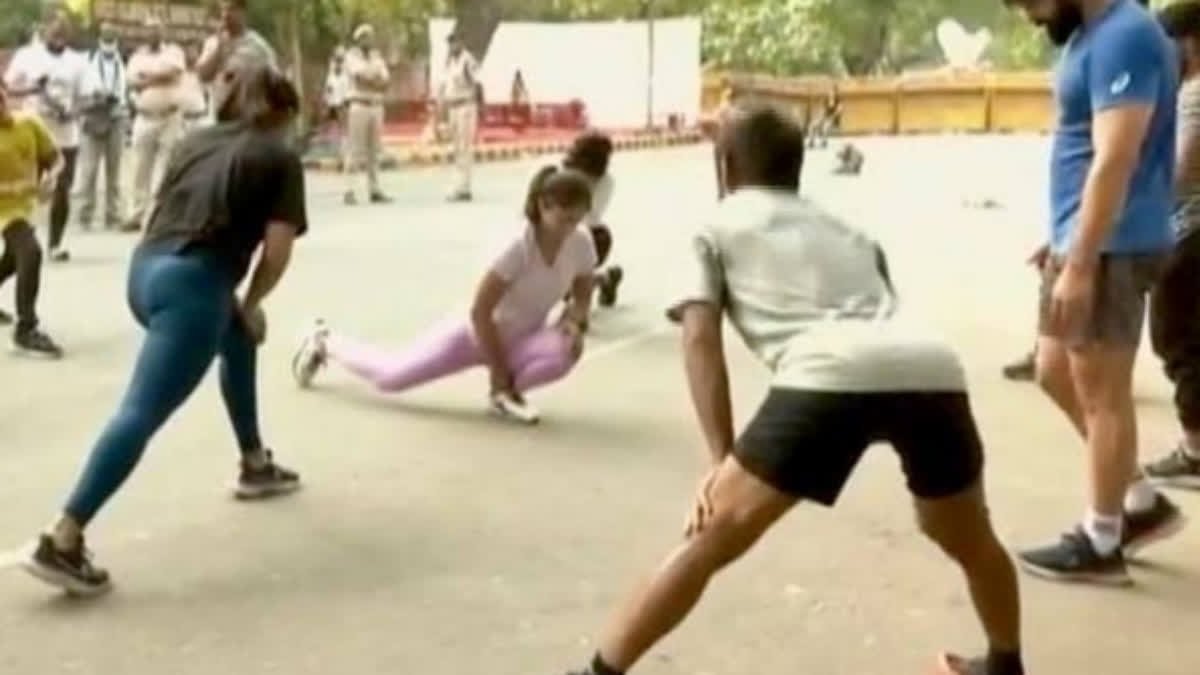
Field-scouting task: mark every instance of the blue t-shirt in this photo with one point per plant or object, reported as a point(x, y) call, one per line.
point(1121, 57)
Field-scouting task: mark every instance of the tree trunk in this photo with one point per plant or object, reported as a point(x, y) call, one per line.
point(476, 21)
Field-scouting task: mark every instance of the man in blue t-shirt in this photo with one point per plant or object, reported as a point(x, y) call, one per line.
point(1110, 204)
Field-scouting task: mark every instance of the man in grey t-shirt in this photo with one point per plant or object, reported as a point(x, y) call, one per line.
point(811, 296)
point(1175, 302)
point(234, 47)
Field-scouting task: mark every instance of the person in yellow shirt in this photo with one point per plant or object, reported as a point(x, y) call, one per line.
point(28, 169)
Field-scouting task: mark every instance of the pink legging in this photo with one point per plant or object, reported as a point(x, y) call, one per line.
point(535, 360)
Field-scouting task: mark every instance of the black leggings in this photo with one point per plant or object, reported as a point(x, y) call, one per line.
point(1175, 326)
point(603, 241)
point(60, 206)
point(23, 258)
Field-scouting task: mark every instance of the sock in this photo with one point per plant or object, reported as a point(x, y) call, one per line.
point(1189, 449)
point(1001, 662)
point(1104, 531)
point(65, 534)
point(1140, 496)
point(599, 667)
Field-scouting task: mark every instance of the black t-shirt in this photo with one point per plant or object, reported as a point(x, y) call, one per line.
point(222, 186)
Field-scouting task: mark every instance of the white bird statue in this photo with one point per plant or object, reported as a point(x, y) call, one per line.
point(962, 49)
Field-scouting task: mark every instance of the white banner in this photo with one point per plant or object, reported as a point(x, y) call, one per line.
point(606, 65)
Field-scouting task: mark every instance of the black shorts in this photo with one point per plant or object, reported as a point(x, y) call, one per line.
point(807, 443)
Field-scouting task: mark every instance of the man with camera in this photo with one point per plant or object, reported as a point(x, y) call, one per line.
point(103, 116)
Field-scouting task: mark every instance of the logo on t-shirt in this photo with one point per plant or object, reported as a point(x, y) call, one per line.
point(1121, 83)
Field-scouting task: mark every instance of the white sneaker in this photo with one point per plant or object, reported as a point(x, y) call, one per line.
point(310, 355)
point(509, 407)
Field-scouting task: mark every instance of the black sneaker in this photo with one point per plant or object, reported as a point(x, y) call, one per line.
point(35, 341)
point(609, 286)
point(460, 197)
point(380, 198)
point(71, 571)
point(269, 480)
point(1177, 469)
point(1162, 521)
point(1023, 370)
point(6, 319)
point(1074, 559)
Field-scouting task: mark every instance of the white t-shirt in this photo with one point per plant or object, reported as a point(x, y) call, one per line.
point(193, 100)
point(808, 296)
point(335, 88)
point(58, 103)
point(602, 193)
point(535, 286)
point(146, 62)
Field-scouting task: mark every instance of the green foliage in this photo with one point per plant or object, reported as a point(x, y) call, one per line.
point(16, 19)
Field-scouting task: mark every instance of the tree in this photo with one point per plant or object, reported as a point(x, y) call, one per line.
point(17, 19)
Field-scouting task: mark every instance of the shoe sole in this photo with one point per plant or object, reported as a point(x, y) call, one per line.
point(251, 493)
point(1165, 531)
point(64, 582)
point(1111, 579)
point(507, 416)
point(1180, 482)
point(34, 354)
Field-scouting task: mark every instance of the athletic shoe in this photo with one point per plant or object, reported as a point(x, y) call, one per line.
point(1023, 370)
point(349, 199)
point(310, 355)
point(1074, 559)
point(36, 342)
point(1177, 469)
point(71, 571)
point(380, 198)
point(459, 197)
point(609, 286)
point(6, 319)
point(269, 480)
point(1161, 521)
point(59, 255)
point(510, 407)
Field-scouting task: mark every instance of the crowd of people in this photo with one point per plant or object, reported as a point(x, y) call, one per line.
point(810, 295)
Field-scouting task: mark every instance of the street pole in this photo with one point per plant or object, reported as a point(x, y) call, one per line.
point(648, 8)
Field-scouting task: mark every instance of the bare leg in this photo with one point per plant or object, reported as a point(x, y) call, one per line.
point(1054, 377)
point(744, 508)
point(1103, 377)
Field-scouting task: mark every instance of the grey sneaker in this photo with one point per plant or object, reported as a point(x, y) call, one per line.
point(514, 408)
point(1074, 559)
point(1177, 469)
point(1162, 521)
point(310, 355)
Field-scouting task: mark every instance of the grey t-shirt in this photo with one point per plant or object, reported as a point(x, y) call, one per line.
point(1187, 210)
point(809, 298)
point(248, 49)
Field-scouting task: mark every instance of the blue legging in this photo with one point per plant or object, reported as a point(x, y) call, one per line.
point(186, 304)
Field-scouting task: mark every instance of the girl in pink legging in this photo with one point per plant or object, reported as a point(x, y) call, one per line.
point(507, 330)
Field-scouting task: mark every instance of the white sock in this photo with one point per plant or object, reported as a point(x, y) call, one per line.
point(1140, 496)
point(1189, 450)
point(1104, 531)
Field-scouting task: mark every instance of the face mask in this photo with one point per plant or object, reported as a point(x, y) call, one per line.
point(108, 48)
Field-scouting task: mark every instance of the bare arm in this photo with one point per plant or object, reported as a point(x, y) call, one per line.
point(487, 297)
point(708, 376)
point(580, 307)
point(210, 61)
point(1187, 156)
point(272, 263)
point(1117, 136)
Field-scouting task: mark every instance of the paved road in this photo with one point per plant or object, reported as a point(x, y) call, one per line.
point(433, 539)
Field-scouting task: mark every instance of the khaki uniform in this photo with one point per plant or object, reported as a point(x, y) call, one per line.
point(157, 125)
point(364, 115)
point(459, 98)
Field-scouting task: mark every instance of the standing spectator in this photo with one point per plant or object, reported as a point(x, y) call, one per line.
point(103, 122)
point(48, 79)
point(155, 74)
point(460, 99)
point(236, 46)
point(366, 82)
point(193, 99)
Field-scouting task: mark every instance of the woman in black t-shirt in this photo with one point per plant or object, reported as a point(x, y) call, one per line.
point(229, 190)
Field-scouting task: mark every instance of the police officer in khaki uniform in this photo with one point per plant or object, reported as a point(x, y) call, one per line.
point(366, 80)
point(460, 99)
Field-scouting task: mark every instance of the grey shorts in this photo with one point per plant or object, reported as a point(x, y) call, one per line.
point(1123, 283)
